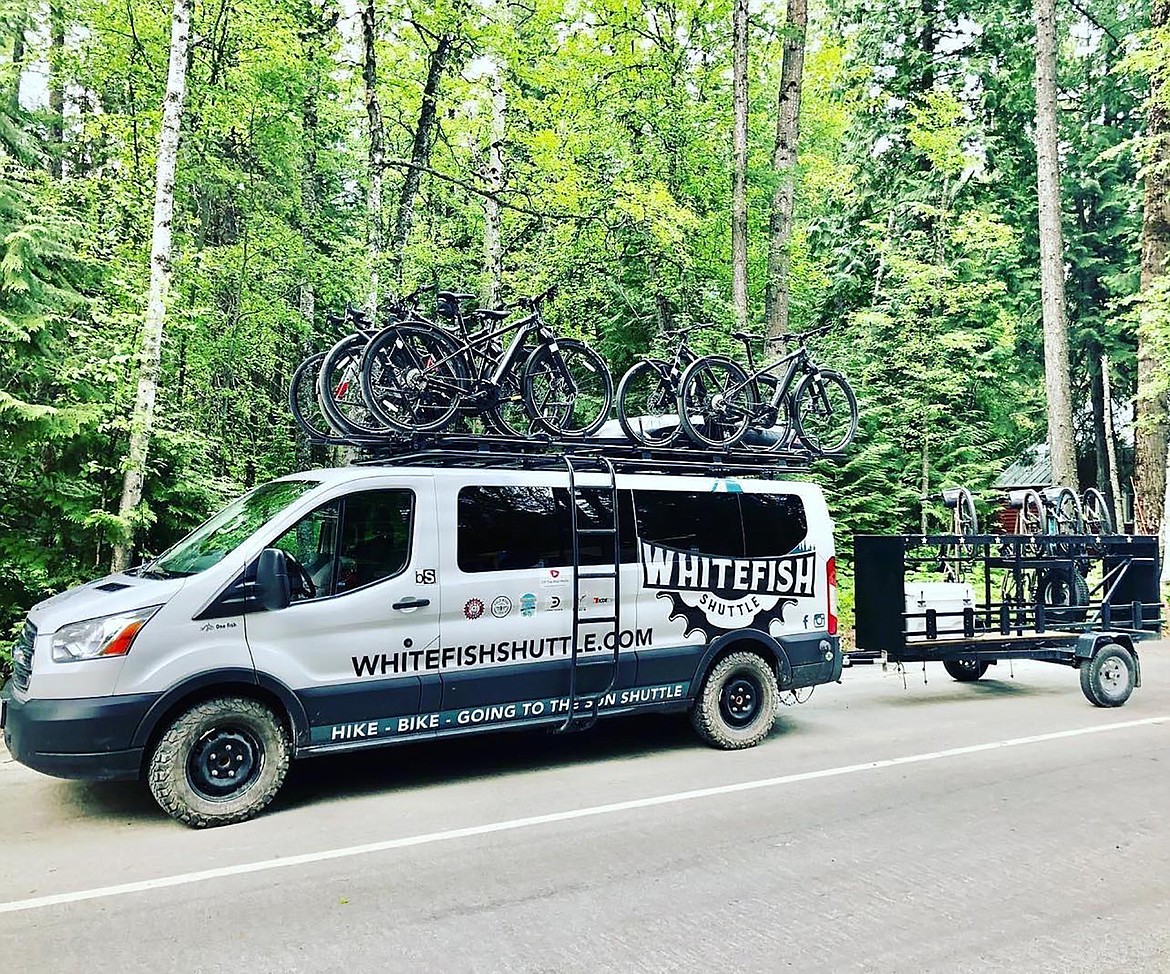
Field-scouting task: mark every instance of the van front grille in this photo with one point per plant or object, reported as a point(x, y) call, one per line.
point(22, 655)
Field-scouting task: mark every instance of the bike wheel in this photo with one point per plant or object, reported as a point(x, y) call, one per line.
point(647, 404)
point(824, 411)
point(339, 389)
point(775, 430)
point(1098, 518)
point(966, 517)
point(413, 378)
point(715, 402)
point(567, 388)
point(509, 416)
point(1066, 511)
point(303, 402)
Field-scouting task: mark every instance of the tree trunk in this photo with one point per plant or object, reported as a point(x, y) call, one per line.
point(149, 354)
point(377, 150)
point(739, 29)
point(420, 152)
point(18, 52)
point(1150, 436)
point(1056, 378)
point(784, 163)
point(493, 249)
point(1097, 402)
point(1112, 485)
point(56, 89)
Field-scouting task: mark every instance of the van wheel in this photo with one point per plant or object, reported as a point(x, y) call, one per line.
point(1108, 678)
point(220, 762)
point(738, 703)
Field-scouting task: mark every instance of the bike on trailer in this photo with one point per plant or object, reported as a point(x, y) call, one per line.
point(964, 523)
point(718, 401)
point(417, 377)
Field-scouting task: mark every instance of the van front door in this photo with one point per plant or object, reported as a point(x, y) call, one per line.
point(359, 644)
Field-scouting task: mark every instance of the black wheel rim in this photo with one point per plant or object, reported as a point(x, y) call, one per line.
point(740, 700)
point(224, 763)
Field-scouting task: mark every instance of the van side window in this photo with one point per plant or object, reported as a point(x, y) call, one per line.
point(349, 543)
point(508, 528)
point(311, 543)
point(702, 523)
point(773, 524)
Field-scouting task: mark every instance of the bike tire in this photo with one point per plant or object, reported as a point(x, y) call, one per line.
point(1066, 512)
point(1098, 517)
point(813, 395)
point(339, 389)
point(509, 416)
point(302, 399)
point(413, 377)
point(556, 409)
point(780, 431)
point(631, 409)
point(966, 516)
point(724, 425)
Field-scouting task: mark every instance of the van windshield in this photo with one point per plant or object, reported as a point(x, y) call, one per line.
point(215, 539)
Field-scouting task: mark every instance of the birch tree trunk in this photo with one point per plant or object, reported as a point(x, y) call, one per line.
point(150, 348)
point(493, 248)
point(784, 163)
point(1056, 379)
point(739, 30)
point(420, 152)
point(1151, 434)
point(377, 158)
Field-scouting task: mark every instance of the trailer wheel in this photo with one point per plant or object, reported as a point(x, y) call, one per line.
point(220, 762)
point(737, 705)
point(1108, 678)
point(966, 670)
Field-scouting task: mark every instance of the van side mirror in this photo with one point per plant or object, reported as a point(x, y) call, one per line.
point(273, 590)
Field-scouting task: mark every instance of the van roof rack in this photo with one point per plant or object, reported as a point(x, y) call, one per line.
point(537, 452)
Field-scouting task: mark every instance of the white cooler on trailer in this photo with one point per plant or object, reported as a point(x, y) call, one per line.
point(942, 597)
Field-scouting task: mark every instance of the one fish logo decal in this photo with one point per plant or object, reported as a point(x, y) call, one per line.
point(717, 594)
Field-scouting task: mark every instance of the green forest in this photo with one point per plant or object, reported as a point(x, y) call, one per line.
point(332, 155)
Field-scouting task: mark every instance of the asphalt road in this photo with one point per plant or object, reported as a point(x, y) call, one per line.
point(926, 827)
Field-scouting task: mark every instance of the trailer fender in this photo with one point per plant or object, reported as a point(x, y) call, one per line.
point(770, 648)
point(1089, 642)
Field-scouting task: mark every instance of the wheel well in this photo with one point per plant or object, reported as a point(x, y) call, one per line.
point(200, 694)
point(768, 653)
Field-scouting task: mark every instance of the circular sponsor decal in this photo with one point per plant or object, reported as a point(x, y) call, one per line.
point(473, 608)
point(501, 606)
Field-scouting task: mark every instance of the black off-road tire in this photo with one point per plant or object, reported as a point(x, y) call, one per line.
point(966, 670)
point(737, 705)
point(238, 723)
point(1108, 679)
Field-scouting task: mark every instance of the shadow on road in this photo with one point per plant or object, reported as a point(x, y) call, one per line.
point(954, 692)
point(388, 770)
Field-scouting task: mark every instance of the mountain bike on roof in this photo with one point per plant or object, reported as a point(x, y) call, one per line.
point(418, 377)
point(718, 401)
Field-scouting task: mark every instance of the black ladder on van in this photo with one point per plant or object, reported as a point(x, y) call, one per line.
point(590, 701)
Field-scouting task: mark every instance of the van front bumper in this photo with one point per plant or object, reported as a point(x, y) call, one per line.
point(80, 738)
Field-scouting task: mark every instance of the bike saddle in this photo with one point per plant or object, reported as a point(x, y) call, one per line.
point(743, 336)
point(453, 296)
point(951, 495)
point(490, 314)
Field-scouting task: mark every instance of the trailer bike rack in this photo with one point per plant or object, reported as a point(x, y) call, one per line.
point(1083, 601)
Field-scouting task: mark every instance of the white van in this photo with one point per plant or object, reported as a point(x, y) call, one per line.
point(376, 604)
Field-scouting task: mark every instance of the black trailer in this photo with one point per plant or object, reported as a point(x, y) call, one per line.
point(1079, 600)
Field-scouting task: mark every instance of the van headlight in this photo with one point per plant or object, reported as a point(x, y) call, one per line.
point(104, 636)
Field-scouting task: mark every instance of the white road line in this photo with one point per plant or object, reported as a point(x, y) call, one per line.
point(184, 879)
